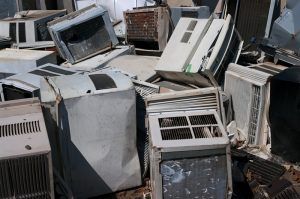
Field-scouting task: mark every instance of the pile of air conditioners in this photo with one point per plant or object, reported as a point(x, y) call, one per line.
point(105, 118)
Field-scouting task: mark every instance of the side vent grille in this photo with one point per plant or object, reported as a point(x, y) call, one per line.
point(189, 127)
point(26, 177)
point(254, 114)
point(20, 128)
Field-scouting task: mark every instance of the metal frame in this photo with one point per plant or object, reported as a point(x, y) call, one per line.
point(18, 142)
point(193, 146)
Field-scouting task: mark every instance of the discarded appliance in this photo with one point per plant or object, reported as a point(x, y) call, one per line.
point(100, 61)
point(21, 60)
point(168, 86)
point(82, 34)
point(5, 42)
point(217, 7)
point(97, 122)
point(180, 3)
point(284, 40)
point(25, 153)
point(189, 100)
point(143, 89)
point(143, 67)
point(8, 8)
point(201, 12)
point(37, 5)
point(206, 46)
point(249, 89)
point(190, 155)
point(28, 29)
point(284, 114)
point(27, 85)
point(147, 28)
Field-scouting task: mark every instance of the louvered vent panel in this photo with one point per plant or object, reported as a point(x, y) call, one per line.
point(192, 127)
point(254, 114)
point(26, 177)
point(20, 128)
point(144, 90)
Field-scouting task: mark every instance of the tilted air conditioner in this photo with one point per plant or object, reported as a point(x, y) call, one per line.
point(205, 47)
point(29, 28)
point(189, 100)
point(37, 4)
point(83, 34)
point(27, 85)
point(25, 153)
point(190, 156)
point(95, 117)
point(249, 89)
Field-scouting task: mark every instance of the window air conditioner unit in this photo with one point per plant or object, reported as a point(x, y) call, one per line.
point(96, 117)
point(37, 5)
point(250, 90)
point(189, 100)
point(190, 156)
point(201, 12)
point(29, 28)
point(16, 61)
point(25, 153)
point(27, 85)
point(206, 46)
point(83, 34)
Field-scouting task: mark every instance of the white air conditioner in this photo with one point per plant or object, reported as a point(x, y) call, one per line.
point(25, 153)
point(14, 61)
point(249, 89)
point(29, 28)
point(189, 100)
point(190, 156)
point(27, 85)
point(204, 46)
point(96, 119)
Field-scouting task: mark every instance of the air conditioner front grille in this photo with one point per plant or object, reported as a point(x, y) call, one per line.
point(20, 128)
point(25, 177)
point(202, 177)
point(189, 127)
point(254, 114)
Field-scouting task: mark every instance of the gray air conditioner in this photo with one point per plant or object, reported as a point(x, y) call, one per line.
point(25, 153)
point(83, 34)
point(29, 28)
point(27, 85)
point(95, 118)
point(14, 61)
point(190, 156)
point(250, 89)
point(205, 48)
point(189, 100)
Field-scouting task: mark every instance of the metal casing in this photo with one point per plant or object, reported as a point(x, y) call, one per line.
point(187, 144)
point(29, 28)
point(11, 88)
point(147, 25)
point(25, 153)
point(207, 46)
point(16, 61)
point(83, 34)
point(249, 89)
point(96, 118)
point(200, 12)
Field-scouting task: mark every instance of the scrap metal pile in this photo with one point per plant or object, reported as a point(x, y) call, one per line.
point(150, 99)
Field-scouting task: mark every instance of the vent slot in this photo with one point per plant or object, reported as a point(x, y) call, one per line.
point(186, 37)
point(176, 134)
point(254, 113)
point(102, 81)
point(192, 24)
point(207, 132)
point(58, 70)
point(26, 177)
point(20, 128)
point(173, 121)
point(43, 73)
point(203, 120)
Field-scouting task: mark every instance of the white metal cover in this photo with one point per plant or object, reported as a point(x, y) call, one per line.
point(23, 138)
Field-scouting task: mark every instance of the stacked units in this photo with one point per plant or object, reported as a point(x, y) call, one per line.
point(147, 28)
point(206, 46)
point(249, 89)
point(25, 153)
point(96, 120)
point(83, 34)
point(190, 155)
point(27, 85)
point(29, 28)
